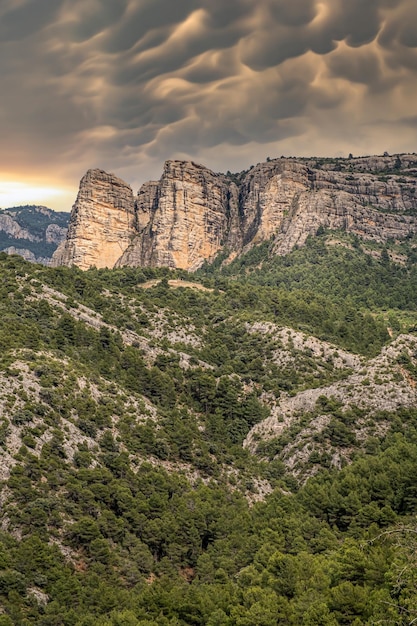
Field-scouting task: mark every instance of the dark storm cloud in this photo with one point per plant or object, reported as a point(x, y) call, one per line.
point(23, 19)
point(142, 18)
point(124, 84)
point(401, 28)
point(91, 18)
point(358, 66)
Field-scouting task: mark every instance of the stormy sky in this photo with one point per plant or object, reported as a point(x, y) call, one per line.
point(126, 84)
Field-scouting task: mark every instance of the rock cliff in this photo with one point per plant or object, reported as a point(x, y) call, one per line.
point(192, 213)
point(290, 199)
point(188, 216)
point(32, 231)
point(102, 223)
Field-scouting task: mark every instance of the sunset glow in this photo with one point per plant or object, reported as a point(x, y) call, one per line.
point(124, 85)
point(13, 193)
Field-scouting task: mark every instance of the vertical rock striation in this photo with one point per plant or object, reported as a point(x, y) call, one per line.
point(185, 218)
point(291, 199)
point(192, 213)
point(102, 224)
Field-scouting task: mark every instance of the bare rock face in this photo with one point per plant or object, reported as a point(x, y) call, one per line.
point(291, 199)
point(378, 386)
point(55, 234)
point(11, 227)
point(32, 231)
point(27, 255)
point(191, 213)
point(185, 218)
point(102, 223)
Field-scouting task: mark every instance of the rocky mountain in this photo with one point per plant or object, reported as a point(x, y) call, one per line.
point(232, 446)
point(192, 214)
point(33, 232)
point(188, 216)
point(101, 225)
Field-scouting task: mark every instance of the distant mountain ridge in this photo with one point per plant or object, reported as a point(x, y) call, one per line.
point(32, 231)
point(192, 214)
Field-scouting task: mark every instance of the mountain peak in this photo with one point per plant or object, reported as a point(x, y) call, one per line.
point(191, 214)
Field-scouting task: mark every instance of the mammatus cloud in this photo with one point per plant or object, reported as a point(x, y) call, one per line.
point(126, 84)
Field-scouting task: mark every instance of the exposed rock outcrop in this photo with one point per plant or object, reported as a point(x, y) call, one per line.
point(191, 213)
point(374, 390)
point(32, 231)
point(185, 218)
point(11, 227)
point(55, 234)
point(27, 255)
point(291, 199)
point(102, 222)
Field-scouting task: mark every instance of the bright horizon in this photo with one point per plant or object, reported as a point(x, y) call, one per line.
point(124, 85)
point(15, 193)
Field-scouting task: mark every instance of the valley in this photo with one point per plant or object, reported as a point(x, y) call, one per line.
point(235, 446)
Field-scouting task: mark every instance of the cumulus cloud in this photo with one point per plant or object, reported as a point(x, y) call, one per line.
point(125, 84)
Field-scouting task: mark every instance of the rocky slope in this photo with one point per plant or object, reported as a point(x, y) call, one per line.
point(191, 213)
point(290, 199)
point(33, 232)
point(151, 346)
point(126, 496)
point(333, 420)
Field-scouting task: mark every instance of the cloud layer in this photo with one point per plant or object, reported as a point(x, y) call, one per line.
point(126, 84)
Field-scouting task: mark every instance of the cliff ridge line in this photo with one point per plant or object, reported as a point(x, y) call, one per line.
point(192, 213)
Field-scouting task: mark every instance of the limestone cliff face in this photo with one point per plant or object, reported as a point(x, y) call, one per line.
point(102, 223)
point(11, 227)
point(290, 199)
point(55, 234)
point(188, 216)
point(191, 213)
point(28, 255)
point(32, 231)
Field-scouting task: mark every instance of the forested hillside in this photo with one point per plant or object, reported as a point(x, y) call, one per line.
point(236, 447)
point(32, 231)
